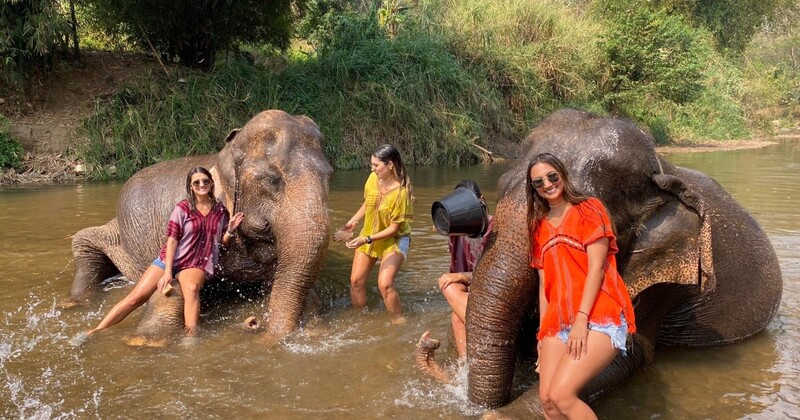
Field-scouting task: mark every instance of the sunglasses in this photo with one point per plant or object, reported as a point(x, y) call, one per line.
point(539, 181)
point(204, 181)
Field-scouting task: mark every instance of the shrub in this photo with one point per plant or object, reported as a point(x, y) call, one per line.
point(10, 149)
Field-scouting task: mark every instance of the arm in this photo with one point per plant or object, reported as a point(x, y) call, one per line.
point(390, 231)
point(234, 223)
point(597, 252)
point(449, 278)
point(169, 259)
point(351, 224)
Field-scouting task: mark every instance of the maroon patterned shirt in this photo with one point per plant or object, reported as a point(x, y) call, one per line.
point(198, 236)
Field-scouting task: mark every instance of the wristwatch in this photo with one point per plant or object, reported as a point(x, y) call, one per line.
point(368, 239)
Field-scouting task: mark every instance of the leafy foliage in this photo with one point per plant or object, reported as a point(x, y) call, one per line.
point(10, 149)
point(655, 53)
point(31, 33)
point(195, 31)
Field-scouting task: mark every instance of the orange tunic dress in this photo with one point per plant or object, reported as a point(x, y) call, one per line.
point(561, 253)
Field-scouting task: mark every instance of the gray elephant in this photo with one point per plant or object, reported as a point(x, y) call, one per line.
point(273, 170)
point(700, 270)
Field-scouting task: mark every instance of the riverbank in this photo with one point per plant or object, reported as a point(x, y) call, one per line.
point(47, 123)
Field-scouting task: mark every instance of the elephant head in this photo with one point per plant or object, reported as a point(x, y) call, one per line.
point(273, 169)
point(698, 267)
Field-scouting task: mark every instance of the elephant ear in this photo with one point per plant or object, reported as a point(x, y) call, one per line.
point(693, 200)
point(232, 135)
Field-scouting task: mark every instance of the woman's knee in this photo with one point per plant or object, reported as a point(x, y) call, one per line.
point(358, 282)
point(562, 400)
point(386, 286)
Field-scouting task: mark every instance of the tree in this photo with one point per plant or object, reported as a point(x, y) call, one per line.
point(31, 33)
point(195, 30)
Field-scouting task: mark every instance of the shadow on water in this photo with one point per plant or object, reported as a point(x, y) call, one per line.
point(344, 362)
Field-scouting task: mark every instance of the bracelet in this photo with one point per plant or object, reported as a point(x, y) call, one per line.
point(581, 312)
point(232, 235)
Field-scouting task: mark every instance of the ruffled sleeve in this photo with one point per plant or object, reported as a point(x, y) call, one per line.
point(597, 224)
point(177, 219)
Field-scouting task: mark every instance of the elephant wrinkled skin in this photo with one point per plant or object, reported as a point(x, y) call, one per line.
point(700, 270)
point(273, 170)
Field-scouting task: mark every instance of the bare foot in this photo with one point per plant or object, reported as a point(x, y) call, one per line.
point(399, 320)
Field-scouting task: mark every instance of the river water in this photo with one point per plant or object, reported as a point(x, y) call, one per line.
point(350, 364)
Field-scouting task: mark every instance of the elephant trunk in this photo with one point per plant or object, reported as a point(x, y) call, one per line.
point(502, 291)
point(302, 243)
point(425, 359)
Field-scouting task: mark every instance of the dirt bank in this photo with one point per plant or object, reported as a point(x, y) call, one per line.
point(45, 122)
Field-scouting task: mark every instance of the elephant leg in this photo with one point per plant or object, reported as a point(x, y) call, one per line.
point(163, 316)
point(93, 250)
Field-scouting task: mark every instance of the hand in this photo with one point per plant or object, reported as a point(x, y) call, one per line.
point(350, 225)
point(450, 278)
point(578, 337)
point(235, 221)
point(164, 281)
point(356, 242)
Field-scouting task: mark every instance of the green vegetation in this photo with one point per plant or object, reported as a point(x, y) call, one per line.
point(439, 77)
point(31, 34)
point(194, 31)
point(10, 149)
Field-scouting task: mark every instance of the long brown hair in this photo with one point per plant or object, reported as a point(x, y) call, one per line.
point(388, 153)
point(538, 206)
point(190, 193)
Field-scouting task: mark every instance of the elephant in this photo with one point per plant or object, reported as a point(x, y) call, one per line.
point(274, 171)
point(700, 270)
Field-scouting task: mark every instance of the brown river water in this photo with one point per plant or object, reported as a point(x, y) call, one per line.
point(351, 364)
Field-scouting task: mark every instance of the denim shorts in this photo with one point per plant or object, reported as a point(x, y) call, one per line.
point(160, 264)
point(403, 243)
point(618, 333)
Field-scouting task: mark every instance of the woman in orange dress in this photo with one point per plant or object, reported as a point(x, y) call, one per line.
point(585, 310)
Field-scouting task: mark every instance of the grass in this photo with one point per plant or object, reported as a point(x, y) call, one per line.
point(454, 74)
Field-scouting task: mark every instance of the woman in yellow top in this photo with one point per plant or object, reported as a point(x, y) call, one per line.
point(387, 211)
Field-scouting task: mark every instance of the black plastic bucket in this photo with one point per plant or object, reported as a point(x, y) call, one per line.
point(459, 213)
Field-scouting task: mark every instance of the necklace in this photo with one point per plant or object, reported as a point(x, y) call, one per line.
point(552, 206)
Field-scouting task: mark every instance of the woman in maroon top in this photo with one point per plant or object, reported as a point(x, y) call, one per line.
point(464, 254)
point(194, 232)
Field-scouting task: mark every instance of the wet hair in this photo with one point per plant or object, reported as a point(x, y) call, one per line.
point(388, 153)
point(471, 185)
point(538, 206)
point(190, 193)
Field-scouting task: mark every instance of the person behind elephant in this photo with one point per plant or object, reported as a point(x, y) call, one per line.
point(585, 310)
point(464, 253)
point(197, 226)
point(387, 211)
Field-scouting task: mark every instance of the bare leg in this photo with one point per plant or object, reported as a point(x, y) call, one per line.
point(138, 296)
point(570, 376)
point(390, 266)
point(362, 265)
point(191, 280)
point(457, 295)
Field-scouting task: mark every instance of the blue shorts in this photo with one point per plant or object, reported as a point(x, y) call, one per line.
point(403, 243)
point(160, 264)
point(618, 333)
